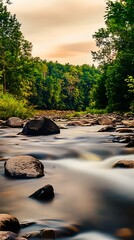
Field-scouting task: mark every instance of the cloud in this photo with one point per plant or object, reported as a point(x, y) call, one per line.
point(60, 14)
point(60, 29)
point(72, 49)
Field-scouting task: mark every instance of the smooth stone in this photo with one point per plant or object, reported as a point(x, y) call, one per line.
point(75, 123)
point(47, 234)
point(107, 129)
point(124, 164)
point(24, 167)
point(104, 120)
point(42, 126)
point(125, 233)
point(7, 235)
point(14, 122)
point(45, 193)
point(9, 223)
point(128, 123)
point(124, 130)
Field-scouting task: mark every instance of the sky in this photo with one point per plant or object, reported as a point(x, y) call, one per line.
point(60, 30)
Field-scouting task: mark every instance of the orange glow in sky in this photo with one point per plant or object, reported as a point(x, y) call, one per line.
point(60, 30)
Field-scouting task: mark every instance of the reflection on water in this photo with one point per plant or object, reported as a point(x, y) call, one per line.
point(78, 163)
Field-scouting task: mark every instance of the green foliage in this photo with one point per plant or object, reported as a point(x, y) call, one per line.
point(96, 111)
point(116, 57)
point(15, 54)
point(63, 87)
point(130, 83)
point(10, 106)
point(44, 84)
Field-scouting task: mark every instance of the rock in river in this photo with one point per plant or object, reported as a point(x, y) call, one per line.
point(124, 164)
point(42, 126)
point(14, 122)
point(24, 167)
point(45, 193)
point(9, 223)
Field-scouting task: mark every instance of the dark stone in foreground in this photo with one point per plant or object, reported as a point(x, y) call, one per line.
point(43, 126)
point(124, 164)
point(45, 193)
point(9, 223)
point(24, 167)
point(14, 122)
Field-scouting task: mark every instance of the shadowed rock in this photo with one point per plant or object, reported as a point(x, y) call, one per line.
point(45, 193)
point(24, 167)
point(130, 144)
point(9, 223)
point(107, 129)
point(43, 126)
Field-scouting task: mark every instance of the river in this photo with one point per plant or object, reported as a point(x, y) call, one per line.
point(88, 191)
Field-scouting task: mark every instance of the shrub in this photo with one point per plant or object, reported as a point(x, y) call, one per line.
point(12, 107)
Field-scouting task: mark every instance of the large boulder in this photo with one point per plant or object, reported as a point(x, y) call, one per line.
point(42, 126)
point(24, 167)
point(14, 122)
point(45, 193)
point(9, 223)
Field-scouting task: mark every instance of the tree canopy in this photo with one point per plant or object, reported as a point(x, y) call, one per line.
point(115, 55)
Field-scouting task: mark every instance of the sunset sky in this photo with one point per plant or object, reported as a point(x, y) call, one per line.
point(60, 30)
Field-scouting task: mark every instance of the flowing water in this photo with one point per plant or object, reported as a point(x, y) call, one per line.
point(88, 191)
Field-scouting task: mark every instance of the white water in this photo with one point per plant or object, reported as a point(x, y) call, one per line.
point(88, 191)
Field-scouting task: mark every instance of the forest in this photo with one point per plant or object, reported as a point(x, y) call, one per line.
point(27, 81)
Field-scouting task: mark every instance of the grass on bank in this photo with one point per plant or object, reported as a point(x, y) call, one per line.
point(12, 107)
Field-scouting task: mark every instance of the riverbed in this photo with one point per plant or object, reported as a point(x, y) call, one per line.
point(89, 192)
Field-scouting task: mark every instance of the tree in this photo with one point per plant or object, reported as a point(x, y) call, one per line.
point(116, 52)
point(14, 52)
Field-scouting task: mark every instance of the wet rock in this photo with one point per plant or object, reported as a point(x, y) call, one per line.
point(42, 126)
point(123, 139)
point(125, 233)
point(14, 122)
point(7, 235)
point(128, 123)
point(74, 123)
point(107, 129)
point(63, 232)
point(104, 120)
point(124, 130)
point(130, 144)
point(2, 123)
point(9, 223)
point(45, 193)
point(48, 234)
point(24, 167)
point(124, 164)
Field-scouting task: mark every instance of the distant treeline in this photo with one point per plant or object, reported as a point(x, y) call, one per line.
point(51, 85)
